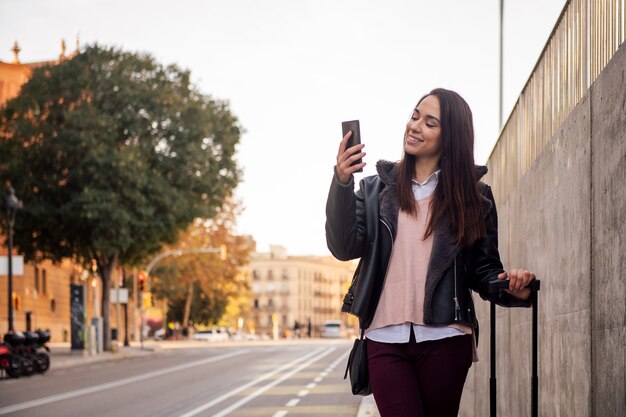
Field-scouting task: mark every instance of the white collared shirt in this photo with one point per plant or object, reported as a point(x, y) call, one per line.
point(401, 333)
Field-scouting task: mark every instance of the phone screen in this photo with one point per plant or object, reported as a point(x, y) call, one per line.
point(355, 139)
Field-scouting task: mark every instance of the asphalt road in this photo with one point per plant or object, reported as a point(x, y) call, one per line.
point(303, 378)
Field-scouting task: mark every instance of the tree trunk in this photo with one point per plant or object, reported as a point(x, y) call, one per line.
point(106, 265)
point(188, 303)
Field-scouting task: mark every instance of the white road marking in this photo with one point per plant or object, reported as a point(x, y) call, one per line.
point(114, 384)
point(261, 390)
point(293, 402)
point(280, 413)
point(247, 385)
point(303, 393)
point(318, 379)
point(311, 385)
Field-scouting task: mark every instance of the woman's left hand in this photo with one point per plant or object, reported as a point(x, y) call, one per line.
point(518, 281)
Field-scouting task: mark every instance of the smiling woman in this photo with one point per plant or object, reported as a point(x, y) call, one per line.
point(425, 229)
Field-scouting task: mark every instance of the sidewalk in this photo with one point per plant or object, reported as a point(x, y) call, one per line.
point(62, 356)
point(368, 407)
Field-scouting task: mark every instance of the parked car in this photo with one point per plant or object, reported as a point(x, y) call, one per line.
point(237, 335)
point(214, 334)
point(159, 334)
point(333, 328)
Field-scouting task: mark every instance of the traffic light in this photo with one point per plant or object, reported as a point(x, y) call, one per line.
point(223, 253)
point(141, 279)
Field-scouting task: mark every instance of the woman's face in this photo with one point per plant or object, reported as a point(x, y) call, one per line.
point(423, 131)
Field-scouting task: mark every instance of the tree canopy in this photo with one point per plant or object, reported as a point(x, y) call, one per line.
point(198, 287)
point(113, 154)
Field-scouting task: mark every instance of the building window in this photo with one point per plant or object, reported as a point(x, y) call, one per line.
point(270, 275)
point(36, 279)
point(53, 305)
point(44, 282)
point(255, 274)
point(256, 303)
point(270, 303)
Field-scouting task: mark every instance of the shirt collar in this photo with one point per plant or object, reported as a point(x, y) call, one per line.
point(433, 177)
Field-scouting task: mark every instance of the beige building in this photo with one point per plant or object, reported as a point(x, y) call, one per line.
point(289, 289)
point(16, 73)
point(43, 292)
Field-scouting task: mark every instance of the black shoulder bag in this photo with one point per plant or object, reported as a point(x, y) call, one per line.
point(357, 366)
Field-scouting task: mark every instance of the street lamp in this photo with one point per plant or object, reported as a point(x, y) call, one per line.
point(10, 205)
point(177, 252)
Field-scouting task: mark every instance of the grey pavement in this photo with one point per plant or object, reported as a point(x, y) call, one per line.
point(62, 356)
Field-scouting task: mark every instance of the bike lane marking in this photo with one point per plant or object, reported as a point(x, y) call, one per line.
point(303, 393)
point(249, 384)
point(261, 390)
point(114, 384)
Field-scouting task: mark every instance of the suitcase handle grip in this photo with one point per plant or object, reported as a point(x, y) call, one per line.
point(503, 284)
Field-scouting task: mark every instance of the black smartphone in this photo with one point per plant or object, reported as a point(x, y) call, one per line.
point(355, 139)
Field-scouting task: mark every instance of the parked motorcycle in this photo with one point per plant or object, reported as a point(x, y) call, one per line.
point(40, 351)
point(25, 354)
point(18, 364)
point(9, 362)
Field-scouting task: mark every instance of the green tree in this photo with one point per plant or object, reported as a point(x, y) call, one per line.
point(198, 286)
point(113, 154)
point(205, 308)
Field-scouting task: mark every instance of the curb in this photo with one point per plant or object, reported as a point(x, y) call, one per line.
point(368, 408)
point(77, 359)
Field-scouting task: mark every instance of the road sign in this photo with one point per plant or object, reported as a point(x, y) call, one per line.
point(16, 261)
point(123, 295)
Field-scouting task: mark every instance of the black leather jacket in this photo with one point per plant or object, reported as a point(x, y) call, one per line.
point(363, 225)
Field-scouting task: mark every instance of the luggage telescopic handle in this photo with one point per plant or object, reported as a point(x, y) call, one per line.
point(503, 284)
point(496, 286)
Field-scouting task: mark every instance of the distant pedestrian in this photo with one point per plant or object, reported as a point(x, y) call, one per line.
point(309, 329)
point(426, 231)
point(296, 330)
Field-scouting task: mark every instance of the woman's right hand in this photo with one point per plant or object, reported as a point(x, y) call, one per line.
point(346, 157)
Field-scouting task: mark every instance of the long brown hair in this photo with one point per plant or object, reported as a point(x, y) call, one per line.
point(456, 197)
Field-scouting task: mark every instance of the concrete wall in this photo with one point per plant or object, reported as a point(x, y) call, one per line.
point(565, 220)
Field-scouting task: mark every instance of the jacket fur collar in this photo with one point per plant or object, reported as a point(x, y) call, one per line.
point(388, 198)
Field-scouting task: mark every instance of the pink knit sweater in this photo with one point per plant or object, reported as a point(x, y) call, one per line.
point(402, 298)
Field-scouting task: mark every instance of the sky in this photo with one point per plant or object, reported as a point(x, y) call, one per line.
point(292, 71)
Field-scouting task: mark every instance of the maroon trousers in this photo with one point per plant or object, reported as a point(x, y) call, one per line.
point(419, 379)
